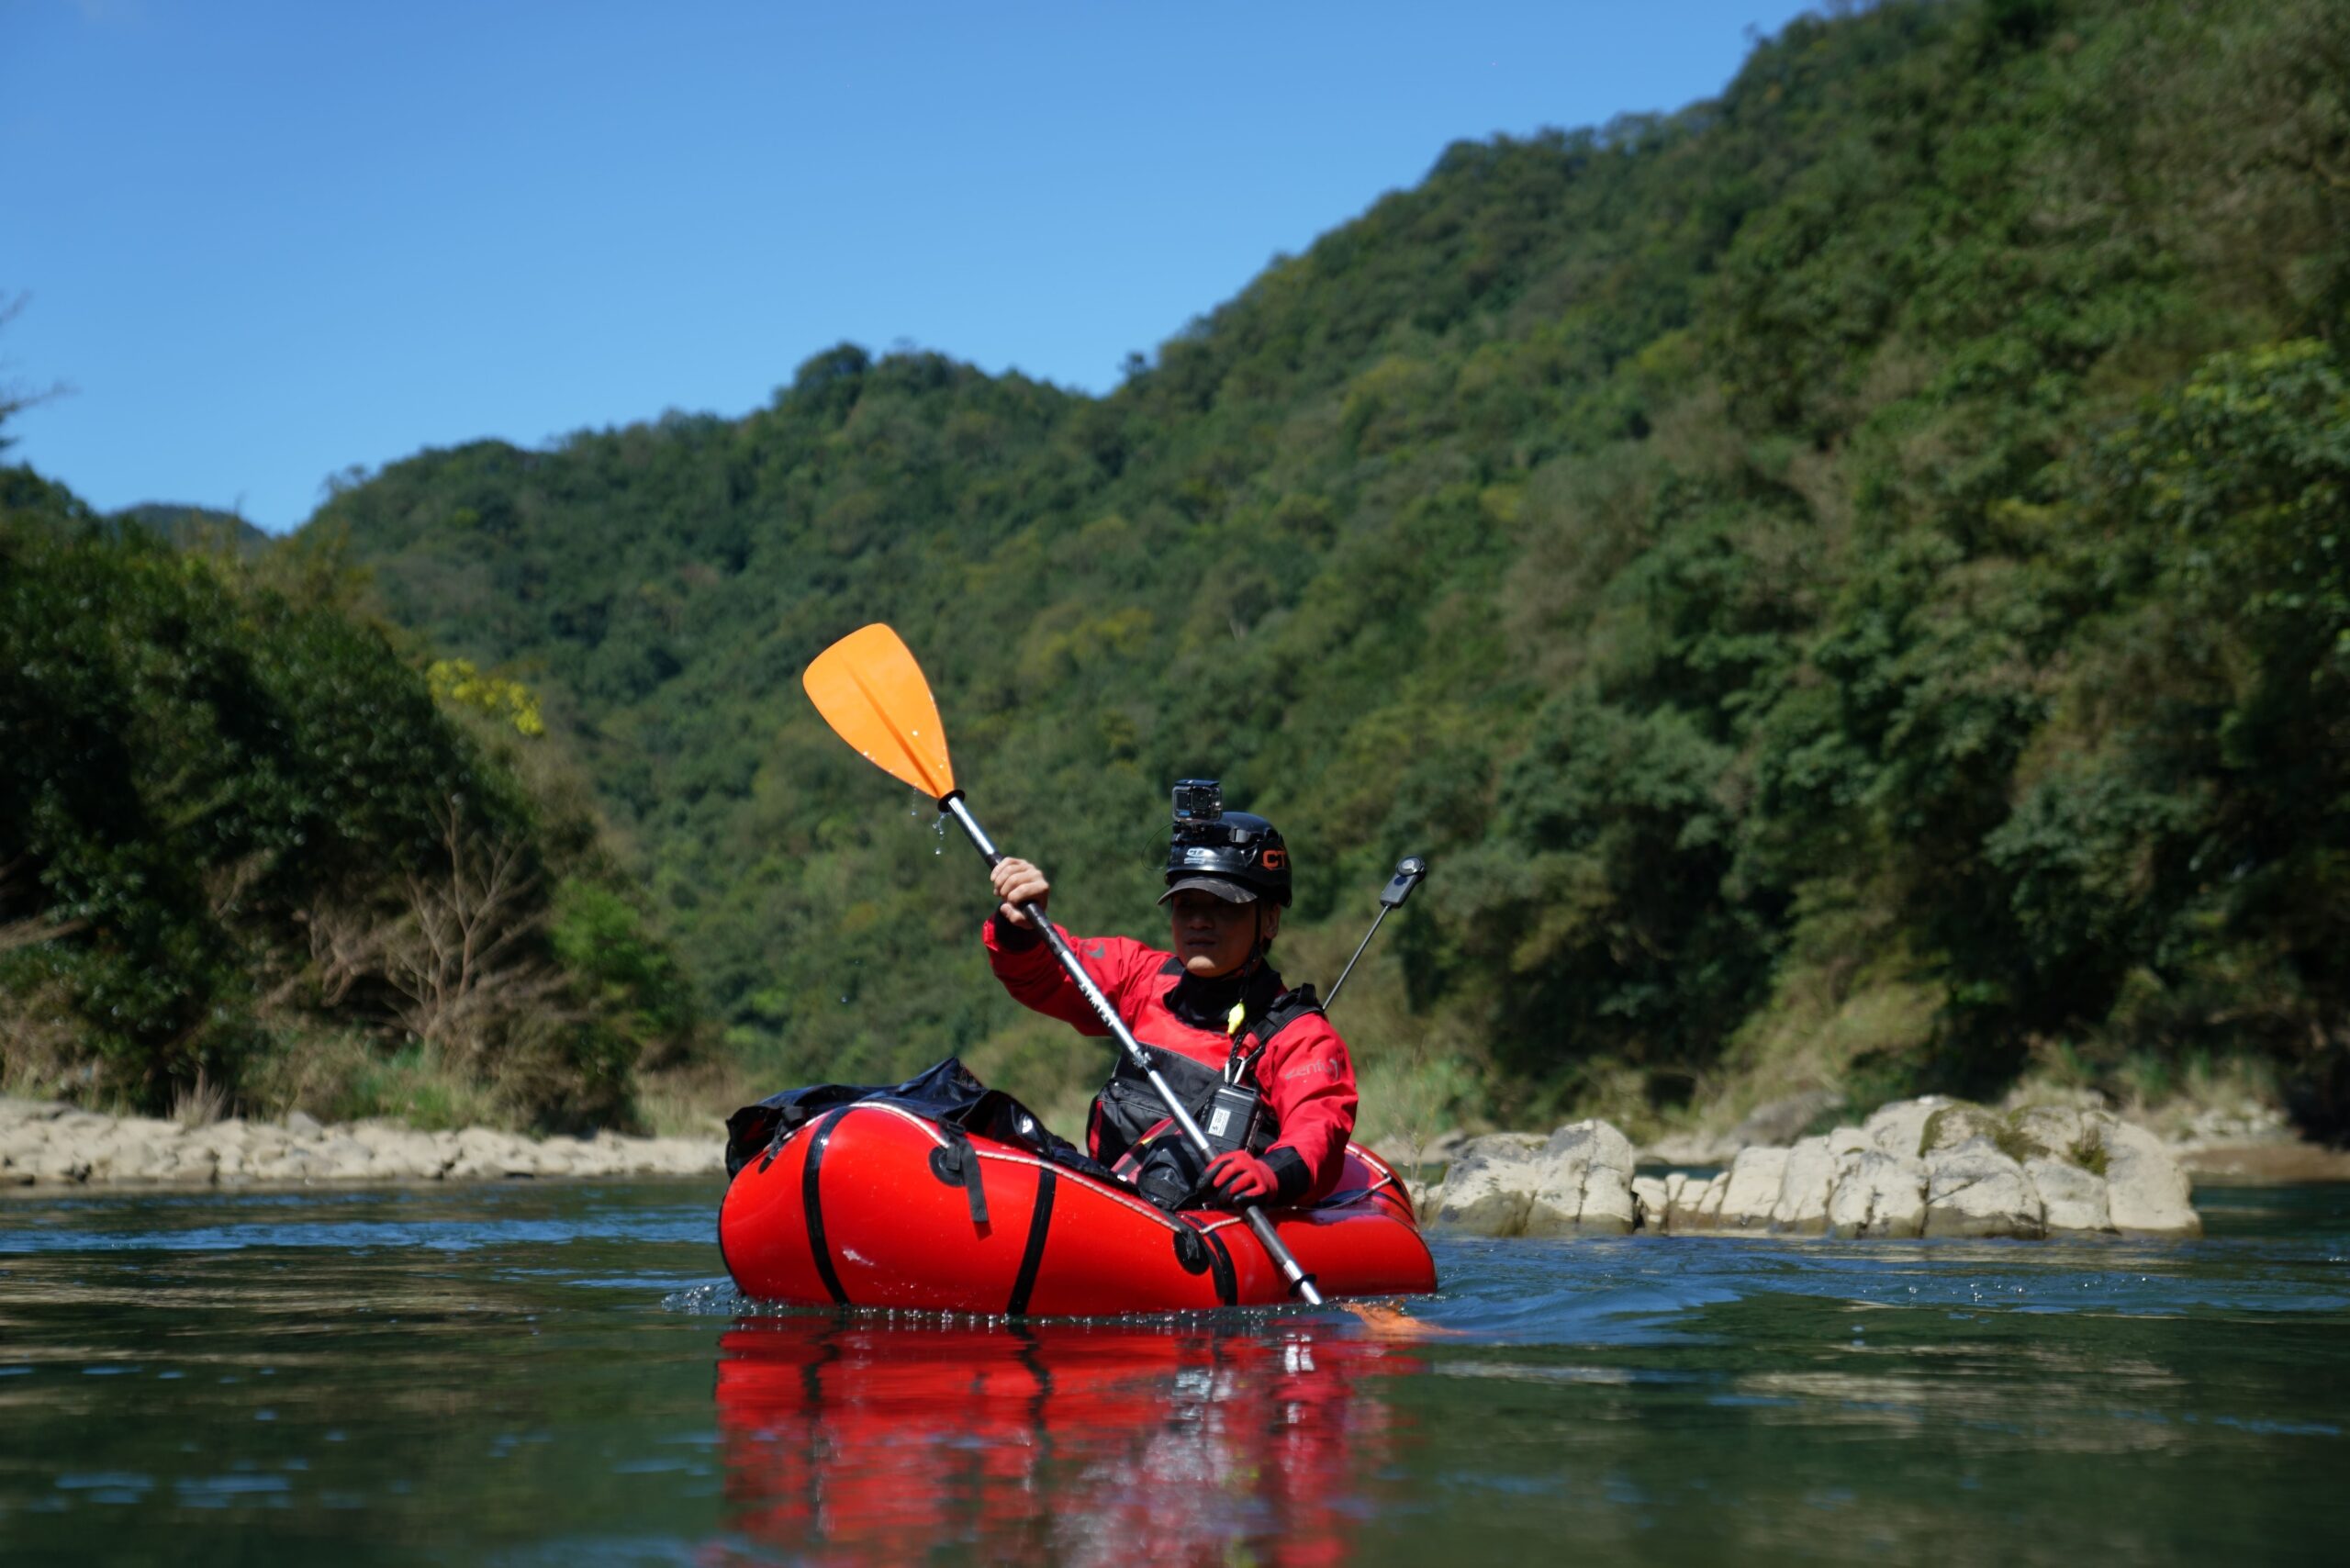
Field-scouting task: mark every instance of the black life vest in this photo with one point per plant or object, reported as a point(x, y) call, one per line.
point(1132, 1131)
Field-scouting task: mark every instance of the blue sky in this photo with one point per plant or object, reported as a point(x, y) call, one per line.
point(265, 242)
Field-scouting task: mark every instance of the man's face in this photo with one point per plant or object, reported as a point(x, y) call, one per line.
point(1212, 938)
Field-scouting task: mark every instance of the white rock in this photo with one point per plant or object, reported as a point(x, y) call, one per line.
point(1961, 1123)
point(2072, 1199)
point(1849, 1140)
point(1710, 1201)
point(286, 1165)
point(1753, 1191)
point(1608, 1206)
point(1878, 1195)
point(148, 1163)
point(348, 1159)
point(1596, 1141)
point(1974, 1190)
point(1685, 1200)
point(2147, 1192)
point(1680, 1194)
point(378, 1134)
point(1899, 1128)
point(1805, 1183)
point(1689, 1148)
point(1650, 1199)
point(225, 1141)
point(15, 1112)
point(483, 1166)
point(62, 1161)
point(596, 1157)
point(2058, 1132)
point(192, 1166)
point(1554, 1199)
point(1581, 1181)
point(1486, 1188)
point(417, 1159)
point(265, 1144)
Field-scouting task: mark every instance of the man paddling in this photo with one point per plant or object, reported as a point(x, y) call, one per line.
point(1213, 1013)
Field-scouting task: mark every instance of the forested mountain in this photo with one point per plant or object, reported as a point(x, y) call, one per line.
point(1847, 582)
point(187, 525)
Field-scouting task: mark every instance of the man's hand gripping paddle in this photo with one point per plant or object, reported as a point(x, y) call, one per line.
point(872, 693)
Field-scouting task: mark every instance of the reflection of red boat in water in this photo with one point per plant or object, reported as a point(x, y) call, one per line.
point(870, 1205)
point(854, 1441)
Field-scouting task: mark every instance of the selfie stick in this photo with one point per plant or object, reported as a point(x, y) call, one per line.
point(1408, 872)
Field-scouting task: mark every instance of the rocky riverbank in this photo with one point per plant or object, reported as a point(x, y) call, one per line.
point(46, 1144)
point(1927, 1166)
point(1931, 1167)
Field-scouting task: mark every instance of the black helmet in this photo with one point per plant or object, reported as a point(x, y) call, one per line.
point(1237, 857)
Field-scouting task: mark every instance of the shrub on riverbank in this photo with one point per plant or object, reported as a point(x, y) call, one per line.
point(233, 816)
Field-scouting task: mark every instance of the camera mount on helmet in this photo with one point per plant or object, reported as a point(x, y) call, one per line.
point(1237, 856)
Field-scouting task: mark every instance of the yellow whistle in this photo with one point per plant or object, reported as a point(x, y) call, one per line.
point(1239, 1014)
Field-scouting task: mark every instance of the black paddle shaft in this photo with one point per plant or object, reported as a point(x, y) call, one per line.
point(1299, 1280)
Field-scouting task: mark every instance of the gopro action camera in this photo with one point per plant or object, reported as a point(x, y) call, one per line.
point(1198, 800)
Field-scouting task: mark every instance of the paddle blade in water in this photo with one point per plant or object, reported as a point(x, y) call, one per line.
point(870, 690)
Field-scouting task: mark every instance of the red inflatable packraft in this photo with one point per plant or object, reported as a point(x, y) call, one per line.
point(872, 1205)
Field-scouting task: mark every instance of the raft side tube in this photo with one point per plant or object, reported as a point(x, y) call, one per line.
point(870, 1205)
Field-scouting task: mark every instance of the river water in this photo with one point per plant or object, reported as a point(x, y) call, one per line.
point(559, 1374)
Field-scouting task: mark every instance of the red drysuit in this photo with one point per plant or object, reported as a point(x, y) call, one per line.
point(1305, 1074)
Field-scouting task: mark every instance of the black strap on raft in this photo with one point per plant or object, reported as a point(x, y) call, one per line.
point(1228, 1289)
point(812, 1205)
point(956, 1163)
point(1199, 1252)
point(1190, 1251)
point(1032, 1257)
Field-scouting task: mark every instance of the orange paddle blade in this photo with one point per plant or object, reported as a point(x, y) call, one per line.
point(870, 690)
point(1393, 1323)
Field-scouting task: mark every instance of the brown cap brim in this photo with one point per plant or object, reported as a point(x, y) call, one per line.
point(1224, 888)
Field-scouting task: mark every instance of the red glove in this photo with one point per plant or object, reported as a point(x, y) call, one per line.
point(1281, 1177)
point(1240, 1178)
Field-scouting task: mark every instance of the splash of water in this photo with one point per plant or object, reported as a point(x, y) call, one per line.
point(711, 1298)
